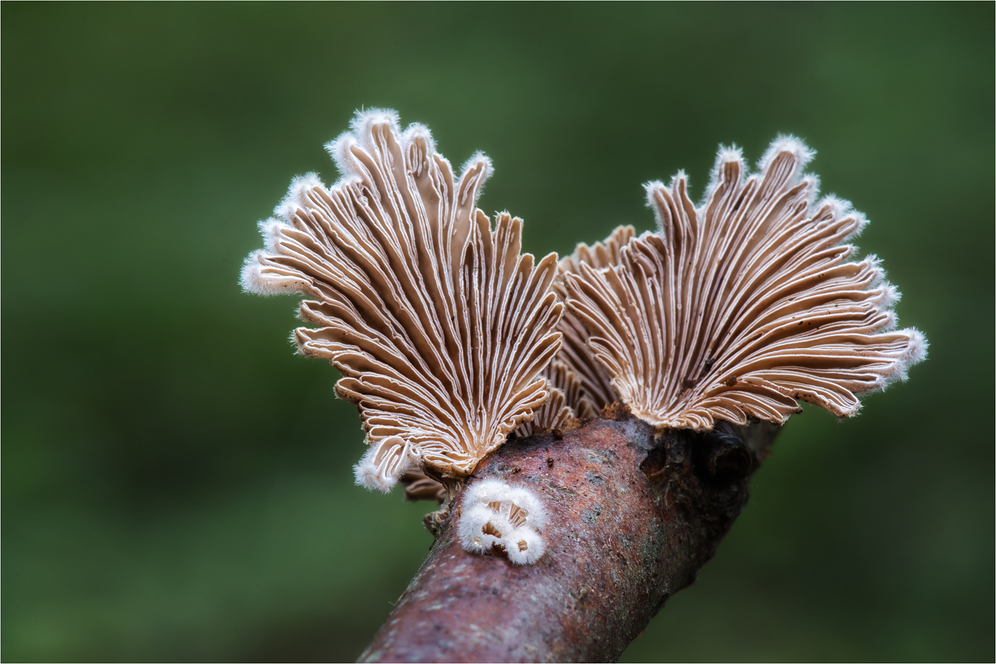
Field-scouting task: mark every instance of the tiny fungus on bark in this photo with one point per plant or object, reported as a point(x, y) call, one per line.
point(502, 518)
point(653, 370)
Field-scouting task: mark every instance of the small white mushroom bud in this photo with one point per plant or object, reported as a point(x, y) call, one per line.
point(526, 547)
point(504, 519)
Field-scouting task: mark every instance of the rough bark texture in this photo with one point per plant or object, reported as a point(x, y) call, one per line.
point(631, 521)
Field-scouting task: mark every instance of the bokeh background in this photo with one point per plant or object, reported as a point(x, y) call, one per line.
point(176, 485)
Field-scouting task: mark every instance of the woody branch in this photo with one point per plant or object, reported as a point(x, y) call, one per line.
point(632, 521)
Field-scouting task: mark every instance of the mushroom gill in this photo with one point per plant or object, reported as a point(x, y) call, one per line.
point(439, 325)
point(744, 305)
point(596, 389)
point(560, 408)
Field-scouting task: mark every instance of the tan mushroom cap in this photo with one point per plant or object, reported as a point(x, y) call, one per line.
point(439, 325)
point(418, 486)
point(559, 409)
point(596, 389)
point(745, 304)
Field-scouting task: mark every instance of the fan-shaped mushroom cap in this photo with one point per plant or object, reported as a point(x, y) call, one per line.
point(566, 396)
point(742, 306)
point(579, 385)
point(439, 326)
point(596, 385)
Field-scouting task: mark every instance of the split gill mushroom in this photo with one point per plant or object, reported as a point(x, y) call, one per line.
point(744, 305)
point(589, 427)
point(439, 325)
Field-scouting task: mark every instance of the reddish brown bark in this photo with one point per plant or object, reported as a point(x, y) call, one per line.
point(631, 521)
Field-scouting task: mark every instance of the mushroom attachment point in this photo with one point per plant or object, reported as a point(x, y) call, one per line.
point(502, 519)
point(744, 305)
point(440, 326)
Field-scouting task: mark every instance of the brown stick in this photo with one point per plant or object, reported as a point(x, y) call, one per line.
point(630, 523)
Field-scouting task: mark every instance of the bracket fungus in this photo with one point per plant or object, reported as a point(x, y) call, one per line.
point(595, 384)
point(567, 400)
point(440, 327)
point(450, 340)
point(744, 305)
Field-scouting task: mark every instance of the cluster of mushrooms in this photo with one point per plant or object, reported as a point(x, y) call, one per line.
point(449, 339)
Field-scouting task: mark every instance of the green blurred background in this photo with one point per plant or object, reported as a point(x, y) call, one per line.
point(177, 485)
